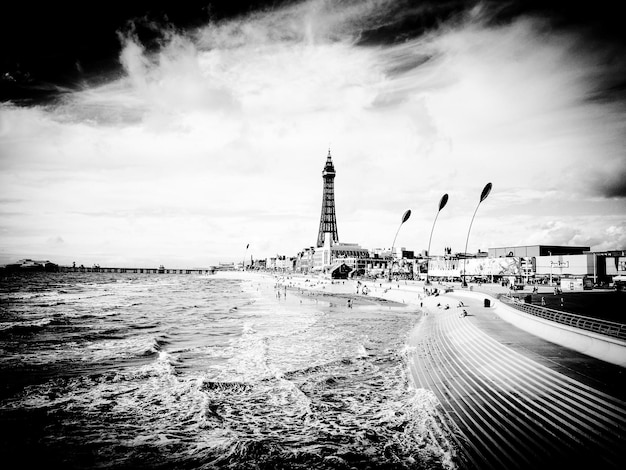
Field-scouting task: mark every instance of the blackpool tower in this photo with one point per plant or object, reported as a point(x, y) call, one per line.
point(328, 220)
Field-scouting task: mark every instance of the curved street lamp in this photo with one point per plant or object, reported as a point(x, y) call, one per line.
point(442, 204)
point(483, 196)
point(405, 217)
point(243, 263)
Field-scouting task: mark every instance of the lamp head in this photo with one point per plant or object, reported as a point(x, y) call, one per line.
point(444, 201)
point(406, 216)
point(486, 191)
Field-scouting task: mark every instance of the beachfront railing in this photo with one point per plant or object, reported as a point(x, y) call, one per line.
point(603, 327)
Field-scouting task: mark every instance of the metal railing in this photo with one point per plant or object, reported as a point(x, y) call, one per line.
point(603, 327)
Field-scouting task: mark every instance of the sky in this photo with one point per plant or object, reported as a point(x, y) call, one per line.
point(179, 133)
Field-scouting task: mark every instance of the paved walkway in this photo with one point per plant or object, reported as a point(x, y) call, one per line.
point(512, 400)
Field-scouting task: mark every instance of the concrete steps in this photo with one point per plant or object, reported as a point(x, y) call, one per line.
point(505, 410)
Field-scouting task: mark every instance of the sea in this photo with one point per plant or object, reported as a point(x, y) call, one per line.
point(149, 371)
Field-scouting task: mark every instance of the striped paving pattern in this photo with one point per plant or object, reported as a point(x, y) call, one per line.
point(510, 411)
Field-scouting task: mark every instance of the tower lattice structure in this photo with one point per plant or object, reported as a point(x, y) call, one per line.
point(328, 219)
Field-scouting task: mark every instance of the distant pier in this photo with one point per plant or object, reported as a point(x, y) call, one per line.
point(30, 265)
point(98, 269)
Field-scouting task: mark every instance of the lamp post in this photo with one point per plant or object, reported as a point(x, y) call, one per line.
point(550, 253)
point(243, 263)
point(483, 196)
point(405, 217)
point(442, 204)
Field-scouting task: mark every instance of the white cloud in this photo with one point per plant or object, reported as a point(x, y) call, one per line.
point(219, 138)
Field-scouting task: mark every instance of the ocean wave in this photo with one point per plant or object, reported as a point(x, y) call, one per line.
point(211, 385)
point(275, 383)
point(25, 327)
point(163, 365)
point(122, 348)
point(97, 351)
point(361, 411)
point(150, 392)
point(161, 341)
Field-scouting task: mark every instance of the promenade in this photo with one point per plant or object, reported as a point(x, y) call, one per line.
point(513, 400)
point(508, 399)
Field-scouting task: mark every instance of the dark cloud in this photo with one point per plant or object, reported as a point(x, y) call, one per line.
point(404, 19)
point(602, 19)
point(615, 187)
point(49, 48)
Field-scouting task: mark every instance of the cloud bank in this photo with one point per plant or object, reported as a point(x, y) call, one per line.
point(217, 138)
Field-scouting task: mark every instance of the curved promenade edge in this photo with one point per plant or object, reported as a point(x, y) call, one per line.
point(513, 400)
point(601, 347)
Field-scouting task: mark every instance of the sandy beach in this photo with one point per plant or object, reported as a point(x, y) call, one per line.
point(412, 295)
point(409, 293)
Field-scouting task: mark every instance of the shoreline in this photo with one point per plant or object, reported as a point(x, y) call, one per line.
point(326, 289)
point(414, 293)
point(328, 295)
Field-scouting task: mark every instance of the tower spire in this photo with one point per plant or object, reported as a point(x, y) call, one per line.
point(328, 219)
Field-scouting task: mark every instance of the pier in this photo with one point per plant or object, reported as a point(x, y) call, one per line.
point(98, 269)
point(30, 265)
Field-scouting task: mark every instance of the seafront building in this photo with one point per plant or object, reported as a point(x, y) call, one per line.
point(32, 265)
point(580, 269)
point(578, 266)
point(510, 264)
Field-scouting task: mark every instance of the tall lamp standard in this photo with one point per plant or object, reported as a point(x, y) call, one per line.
point(483, 196)
point(405, 217)
point(243, 263)
point(550, 253)
point(442, 204)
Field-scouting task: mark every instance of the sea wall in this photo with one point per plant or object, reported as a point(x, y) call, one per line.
point(601, 347)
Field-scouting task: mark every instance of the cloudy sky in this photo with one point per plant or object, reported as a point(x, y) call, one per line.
point(165, 134)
